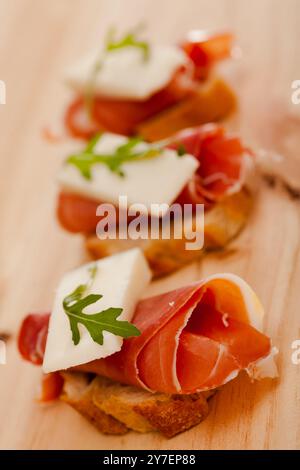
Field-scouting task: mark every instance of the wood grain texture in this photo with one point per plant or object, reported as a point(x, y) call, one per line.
point(38, 39)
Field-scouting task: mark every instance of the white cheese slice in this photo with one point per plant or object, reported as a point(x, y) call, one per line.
point(121, 279)
point(124, 73)
point(153, 181)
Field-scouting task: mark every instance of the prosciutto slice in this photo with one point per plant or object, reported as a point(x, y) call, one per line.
point(192, 339)
point(223, 163)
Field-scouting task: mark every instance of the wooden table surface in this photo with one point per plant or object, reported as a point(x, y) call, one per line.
point(38, 39)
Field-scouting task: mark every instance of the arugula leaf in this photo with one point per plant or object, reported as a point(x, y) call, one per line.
point(74, 296)
point(129, 40)
point(96, 323)
point(93, 271)
point(181, 150)
point(78, 293)
point(92, 143)
point(90, 88)
point(114, 161)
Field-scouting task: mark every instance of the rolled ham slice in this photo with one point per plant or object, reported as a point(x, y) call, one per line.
point(192, 339)
point(223, 159)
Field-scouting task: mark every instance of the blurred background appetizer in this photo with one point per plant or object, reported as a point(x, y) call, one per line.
point(130, 86)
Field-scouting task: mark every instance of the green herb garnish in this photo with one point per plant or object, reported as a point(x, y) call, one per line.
point(114, 161)
point(105, 320)
point(181, 150)
point(129, 40)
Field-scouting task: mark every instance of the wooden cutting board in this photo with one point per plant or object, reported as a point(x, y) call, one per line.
point(37, 40)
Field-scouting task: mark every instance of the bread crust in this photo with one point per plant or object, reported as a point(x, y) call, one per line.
point(213, 102)
point(78, 393)
point(221, 225)
point(176, 414)
point(115, 408)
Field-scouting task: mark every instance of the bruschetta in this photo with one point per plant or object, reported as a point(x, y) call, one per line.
point(130, 86)
point(128, 361)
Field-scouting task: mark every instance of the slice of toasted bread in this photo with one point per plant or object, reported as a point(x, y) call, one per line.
point(78, 393)
point(221, 224)
point(213, 101)
point(115, 408)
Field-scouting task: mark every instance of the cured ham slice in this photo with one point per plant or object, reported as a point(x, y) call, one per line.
point(192, 339)
point(204, 49)
point(33, 336)
point(77, 213)
point(223, 160)
point(51, 387)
